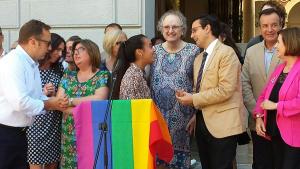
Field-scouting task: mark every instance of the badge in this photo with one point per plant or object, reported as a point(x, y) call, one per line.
point(273, 80)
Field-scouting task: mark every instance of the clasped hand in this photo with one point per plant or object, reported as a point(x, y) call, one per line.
point(57, 103)
point(49, 89)
point(184, 98)
point(63, 101)
point(268, 105)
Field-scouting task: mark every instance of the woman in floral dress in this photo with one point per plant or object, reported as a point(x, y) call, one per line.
point(87, 83)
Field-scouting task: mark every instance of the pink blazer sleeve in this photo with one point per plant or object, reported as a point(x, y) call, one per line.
point(267, 88)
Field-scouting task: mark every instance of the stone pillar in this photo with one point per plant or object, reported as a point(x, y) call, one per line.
point(248, 20)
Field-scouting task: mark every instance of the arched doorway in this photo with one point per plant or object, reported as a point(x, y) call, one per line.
point(293, 16)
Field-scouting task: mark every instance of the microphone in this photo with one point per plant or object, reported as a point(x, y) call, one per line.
point(118, 71)
point(103, 127)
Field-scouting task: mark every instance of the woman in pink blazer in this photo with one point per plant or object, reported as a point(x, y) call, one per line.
point(277, 111)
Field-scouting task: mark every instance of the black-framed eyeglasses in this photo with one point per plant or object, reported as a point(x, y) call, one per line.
point(119, 42)
point(173, 27)
point(194, 29)
point(45, 41)
point(78, 50)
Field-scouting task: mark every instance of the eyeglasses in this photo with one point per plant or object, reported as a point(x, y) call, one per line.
point(174, 27)
point(78, 50)
point(45, 41)
point(119, 42)
point(194, 29)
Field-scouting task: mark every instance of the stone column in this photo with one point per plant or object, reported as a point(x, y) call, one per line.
point(248, 20)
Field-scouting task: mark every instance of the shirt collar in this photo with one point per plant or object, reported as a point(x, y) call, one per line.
point(211, 47)
point(267, 50)
point(3, 53)
point(27, 57)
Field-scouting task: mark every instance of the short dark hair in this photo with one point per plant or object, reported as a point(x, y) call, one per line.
point(291, 40)
point(115, 25)
point(269, 11)
point(32, 28)
point(211, 20)
point(74, 38)
point(0, 31)
point(280, 8)
point(93, 51)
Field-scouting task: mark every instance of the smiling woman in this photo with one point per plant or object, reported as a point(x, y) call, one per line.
point(173, 70)
point(277, 109)
point(134, 55)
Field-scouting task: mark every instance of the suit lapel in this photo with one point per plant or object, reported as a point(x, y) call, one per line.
point(274, 62)
point(273, 80)
point(210, 59)
point(261, 61)
point(197, 64)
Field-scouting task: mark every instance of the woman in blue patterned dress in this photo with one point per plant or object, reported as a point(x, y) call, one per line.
point(173, 70)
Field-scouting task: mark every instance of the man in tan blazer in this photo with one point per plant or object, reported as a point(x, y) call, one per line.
point(260, 62)
point(217, 96)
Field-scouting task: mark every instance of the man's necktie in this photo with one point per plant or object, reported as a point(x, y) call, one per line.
point(201, 72)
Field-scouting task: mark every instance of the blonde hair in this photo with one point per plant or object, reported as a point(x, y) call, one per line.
point(110, 39)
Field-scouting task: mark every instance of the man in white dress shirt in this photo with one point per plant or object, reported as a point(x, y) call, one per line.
point(21, 96)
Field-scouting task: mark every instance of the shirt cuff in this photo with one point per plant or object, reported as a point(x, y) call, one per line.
point(39, 108)
point(44, 97)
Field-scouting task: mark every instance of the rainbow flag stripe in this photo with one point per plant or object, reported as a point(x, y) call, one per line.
point(137, 134)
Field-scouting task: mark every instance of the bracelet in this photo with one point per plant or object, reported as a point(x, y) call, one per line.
point(70, 103)
point(259, 115)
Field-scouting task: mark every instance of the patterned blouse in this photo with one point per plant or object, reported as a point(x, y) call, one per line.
point(134, 85)
point(75, 89)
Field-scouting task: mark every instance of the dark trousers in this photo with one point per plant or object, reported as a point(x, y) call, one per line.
point(291, 157)
point(215, 153)
point(261, 150)
point(13, 148)
point(284, 156)
point(275, 154)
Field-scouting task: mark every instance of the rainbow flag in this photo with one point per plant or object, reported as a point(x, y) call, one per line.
point(137, 134)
